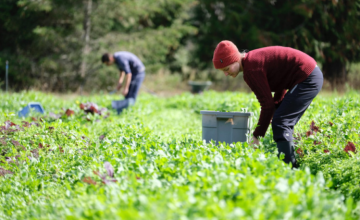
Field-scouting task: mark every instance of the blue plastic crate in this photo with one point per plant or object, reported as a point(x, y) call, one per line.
point(35, 106)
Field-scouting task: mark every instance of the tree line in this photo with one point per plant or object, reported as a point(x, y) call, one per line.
point(55, 45)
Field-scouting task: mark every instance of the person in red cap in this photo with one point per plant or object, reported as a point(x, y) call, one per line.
point(292, 75)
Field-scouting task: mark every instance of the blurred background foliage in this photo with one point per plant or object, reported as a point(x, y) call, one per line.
point(56, 45)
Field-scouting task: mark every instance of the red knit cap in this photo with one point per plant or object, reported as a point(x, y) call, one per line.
point(225, 54)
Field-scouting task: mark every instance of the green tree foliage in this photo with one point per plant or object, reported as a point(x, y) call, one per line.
point(154, 31)
point(33, 37)
point(220, 20)
point(44, 40)
point(327, 30)
point(332, 29)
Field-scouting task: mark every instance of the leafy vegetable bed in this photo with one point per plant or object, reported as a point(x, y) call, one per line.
point(83, 162)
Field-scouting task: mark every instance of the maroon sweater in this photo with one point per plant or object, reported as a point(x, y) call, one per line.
point(274, 69)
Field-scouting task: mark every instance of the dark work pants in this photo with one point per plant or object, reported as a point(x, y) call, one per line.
point(294, 104)
point(134, 88)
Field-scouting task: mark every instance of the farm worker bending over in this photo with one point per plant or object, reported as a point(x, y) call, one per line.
point(292, 75)
point(134, 70)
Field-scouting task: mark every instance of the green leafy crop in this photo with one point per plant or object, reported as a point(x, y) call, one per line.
point(150, 162)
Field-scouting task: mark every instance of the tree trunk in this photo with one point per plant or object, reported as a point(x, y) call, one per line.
point(335, 72)
point(86, 39)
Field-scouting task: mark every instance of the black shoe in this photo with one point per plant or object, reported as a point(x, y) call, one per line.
point(287, 148)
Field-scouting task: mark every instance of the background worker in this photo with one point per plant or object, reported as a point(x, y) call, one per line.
point(132, 69)
point(290, 73)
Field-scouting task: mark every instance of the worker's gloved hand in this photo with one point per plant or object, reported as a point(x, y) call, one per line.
point(125, 92)
point(254, 142)
point(118, 87)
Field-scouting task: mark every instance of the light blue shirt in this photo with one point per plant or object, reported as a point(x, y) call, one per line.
point(129, 63)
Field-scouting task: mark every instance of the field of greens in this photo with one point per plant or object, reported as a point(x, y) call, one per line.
point(150, 162)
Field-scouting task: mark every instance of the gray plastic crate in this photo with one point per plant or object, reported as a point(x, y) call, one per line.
point(199, 87)
point(226, 127)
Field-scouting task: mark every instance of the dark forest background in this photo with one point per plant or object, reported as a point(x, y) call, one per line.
point(56, 45)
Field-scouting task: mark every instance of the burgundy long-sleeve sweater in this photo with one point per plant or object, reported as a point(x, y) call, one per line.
point(274, 69)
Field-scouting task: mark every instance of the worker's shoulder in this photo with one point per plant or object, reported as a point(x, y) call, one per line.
point(270, 49)
point(125, 55)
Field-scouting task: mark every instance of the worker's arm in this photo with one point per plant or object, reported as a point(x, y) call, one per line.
point(127, 84)
point(121, 79)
